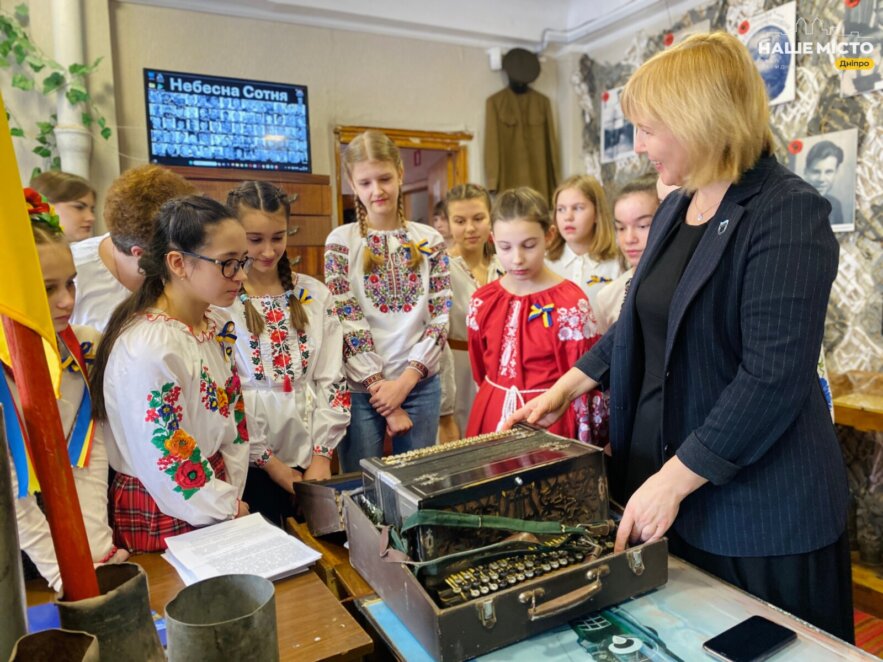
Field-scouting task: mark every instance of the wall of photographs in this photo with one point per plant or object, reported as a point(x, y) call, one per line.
point(828, 126)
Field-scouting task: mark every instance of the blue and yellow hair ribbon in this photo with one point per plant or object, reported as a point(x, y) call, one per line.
point(544, 312)
point(597, 280)
point(424, 247)
point(226, 338)
point(304, 296)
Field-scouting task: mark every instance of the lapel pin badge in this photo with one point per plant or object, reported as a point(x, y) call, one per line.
point(722, 227)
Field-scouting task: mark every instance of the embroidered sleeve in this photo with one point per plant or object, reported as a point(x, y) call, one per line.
point(475, 340)
point(427, 351)
point(361, 361)
point(157, 413)
point(331, 415)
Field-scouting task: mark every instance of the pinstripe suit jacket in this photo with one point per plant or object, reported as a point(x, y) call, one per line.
point(742, 405)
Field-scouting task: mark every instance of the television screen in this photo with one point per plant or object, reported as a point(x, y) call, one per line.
point(214, 122)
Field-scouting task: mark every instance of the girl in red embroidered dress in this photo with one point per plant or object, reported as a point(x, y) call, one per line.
point(526, 329)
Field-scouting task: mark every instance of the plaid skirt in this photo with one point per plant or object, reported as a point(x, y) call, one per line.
point(138, 524)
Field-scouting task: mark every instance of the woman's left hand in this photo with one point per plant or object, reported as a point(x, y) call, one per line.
point(653, 507)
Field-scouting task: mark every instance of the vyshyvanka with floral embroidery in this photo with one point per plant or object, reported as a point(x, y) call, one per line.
point(174, 404)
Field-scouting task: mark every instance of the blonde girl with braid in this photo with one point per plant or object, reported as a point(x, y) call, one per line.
point(392, 293)
point(289, 352)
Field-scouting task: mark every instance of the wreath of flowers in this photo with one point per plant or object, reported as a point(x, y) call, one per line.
point(41, 210)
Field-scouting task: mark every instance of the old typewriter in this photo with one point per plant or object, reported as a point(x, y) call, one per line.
point(512, 527)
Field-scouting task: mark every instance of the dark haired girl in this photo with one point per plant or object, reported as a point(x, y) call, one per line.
point(166, 383)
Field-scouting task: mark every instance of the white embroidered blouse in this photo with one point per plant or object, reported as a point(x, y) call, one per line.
point(592, 276)
point(90, 481)
point(463, 286)
point(394, 316)
point(296, 396)
point(173, 400)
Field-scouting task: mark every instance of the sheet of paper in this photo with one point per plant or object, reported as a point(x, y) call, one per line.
point(246, 545)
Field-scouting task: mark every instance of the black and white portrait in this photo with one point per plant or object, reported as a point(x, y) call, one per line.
point(828, 162)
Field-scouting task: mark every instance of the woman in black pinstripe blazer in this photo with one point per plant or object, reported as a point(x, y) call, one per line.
point(720, 432)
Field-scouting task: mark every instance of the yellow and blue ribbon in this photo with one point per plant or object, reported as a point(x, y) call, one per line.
point(82, 434)
point(424, 247)
point(226, 338)
point(597, 280)
point(304, 296)
point(544, 312)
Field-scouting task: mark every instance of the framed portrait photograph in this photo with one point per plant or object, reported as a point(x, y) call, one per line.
point(828, 162)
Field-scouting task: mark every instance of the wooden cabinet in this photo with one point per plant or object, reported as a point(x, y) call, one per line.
point(310, 211)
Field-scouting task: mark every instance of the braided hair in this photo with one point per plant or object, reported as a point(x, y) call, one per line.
point(376, 146)
point(270, 199)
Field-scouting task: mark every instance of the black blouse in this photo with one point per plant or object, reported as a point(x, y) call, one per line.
point(652, 302)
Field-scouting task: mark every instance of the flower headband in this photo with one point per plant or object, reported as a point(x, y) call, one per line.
point(41, 211)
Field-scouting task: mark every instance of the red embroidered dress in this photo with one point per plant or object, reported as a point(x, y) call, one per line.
point(180, 442)
point(517, 353)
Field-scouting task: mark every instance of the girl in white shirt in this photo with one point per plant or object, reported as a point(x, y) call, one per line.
point(584, 248)
point(166, 382)
point(289, 352)
point(85, 441)
point(391, 288)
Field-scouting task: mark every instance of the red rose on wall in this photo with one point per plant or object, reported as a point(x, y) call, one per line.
point(605, 96)
point(668, 39)
point(851, 4)
point(744, 26)
point(190, 475)
point(795, 146)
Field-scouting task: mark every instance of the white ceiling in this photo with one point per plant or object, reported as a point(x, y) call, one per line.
point(538, 25)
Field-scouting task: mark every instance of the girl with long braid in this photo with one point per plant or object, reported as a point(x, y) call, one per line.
point(165, 381)
point(392, 293)
point(290, 358)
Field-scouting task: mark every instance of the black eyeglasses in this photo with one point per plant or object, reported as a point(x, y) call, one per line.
point(229, 268)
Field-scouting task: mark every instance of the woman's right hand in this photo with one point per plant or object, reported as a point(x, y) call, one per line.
point(242, 509)
point(542, 411)
point(398, 422)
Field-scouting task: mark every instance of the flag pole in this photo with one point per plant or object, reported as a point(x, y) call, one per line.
point(51, 463)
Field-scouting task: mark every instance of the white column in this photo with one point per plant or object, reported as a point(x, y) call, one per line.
point(73, 139)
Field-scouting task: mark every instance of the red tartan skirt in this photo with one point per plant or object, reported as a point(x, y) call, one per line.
point(138, 524)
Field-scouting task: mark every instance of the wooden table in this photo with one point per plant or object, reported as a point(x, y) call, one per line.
point(334, 567)
point(311, 623)
point(862, 411)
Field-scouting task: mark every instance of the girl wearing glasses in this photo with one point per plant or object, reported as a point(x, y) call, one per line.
point(166, 383)
point(289, 354)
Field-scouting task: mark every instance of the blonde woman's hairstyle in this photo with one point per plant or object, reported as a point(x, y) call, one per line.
point(603, 244)
point(522, 203)
point(463, 192)
point(265, 197)
point(708, 93)
point(374, 145)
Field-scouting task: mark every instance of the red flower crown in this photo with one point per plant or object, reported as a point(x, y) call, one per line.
point(40, 210)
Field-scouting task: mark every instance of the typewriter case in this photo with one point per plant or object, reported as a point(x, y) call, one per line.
point(492, 621)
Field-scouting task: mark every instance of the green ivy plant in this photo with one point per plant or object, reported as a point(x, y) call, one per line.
point(34, 71)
